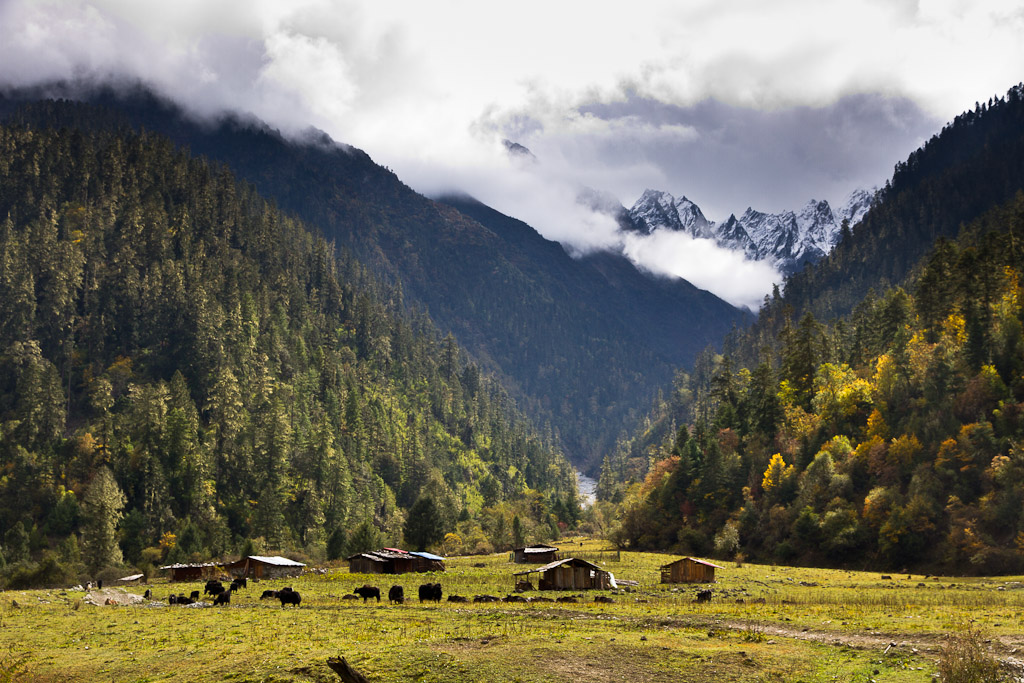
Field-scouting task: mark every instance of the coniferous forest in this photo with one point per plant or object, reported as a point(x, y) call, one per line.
point(891, 434)
point(189, 372)
point(186, 373)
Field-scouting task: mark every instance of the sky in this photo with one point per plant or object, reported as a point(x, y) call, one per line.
point(732, 103)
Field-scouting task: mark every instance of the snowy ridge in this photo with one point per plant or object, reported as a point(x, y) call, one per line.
point(788, 239)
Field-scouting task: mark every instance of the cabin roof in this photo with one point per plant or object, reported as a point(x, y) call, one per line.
point(428, 556)
point(538, 549)
point(690, 559)
point(556, 563)
point(275, 560)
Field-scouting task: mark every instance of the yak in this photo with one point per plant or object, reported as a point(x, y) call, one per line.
point(194, 595)
point(430, 591)
point(366, 592)
point(223, 598)
point(238, 583)
point(213, 587)
point(289, 597)
point(396, 595)
point(268, 594)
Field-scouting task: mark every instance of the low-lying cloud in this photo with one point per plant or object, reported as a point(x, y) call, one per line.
point(729, 274)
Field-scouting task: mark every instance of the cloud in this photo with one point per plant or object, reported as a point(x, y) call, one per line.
point(727, 273)
point(732, 102)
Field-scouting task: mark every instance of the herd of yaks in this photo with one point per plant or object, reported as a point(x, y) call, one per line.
point(428, 592)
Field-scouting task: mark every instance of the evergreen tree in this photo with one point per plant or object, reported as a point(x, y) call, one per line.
point(424, 526)
point(102, 506)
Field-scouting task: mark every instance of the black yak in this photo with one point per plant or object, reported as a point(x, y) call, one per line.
point(367, 592)
point(430, 591)
point(396, 595)
point(289, 597)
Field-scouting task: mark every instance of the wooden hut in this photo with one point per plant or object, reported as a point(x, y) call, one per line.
point(383, 561)
point(191, 572)
point(689, 570)
point(264, 567)
point(427, 562)
point(534, 554)
point(569, 574)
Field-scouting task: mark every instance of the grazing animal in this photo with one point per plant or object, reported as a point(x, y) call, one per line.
point(148, 594)
point(172, 599)
point(366, 592)
point(457, 598)
point(704, 595)
point(268, 594)
point(567, 598)
point(238, 583)
point(486, 598)
point(223, 598)
point(349, 596)
point(514, 598)
point(213, 587)
point(430, 591)
point(603, 598)
point(289, 597)
point(182, 600)
point(194, 595)
point(396, 595)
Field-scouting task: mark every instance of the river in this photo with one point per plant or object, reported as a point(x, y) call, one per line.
point(587, 488)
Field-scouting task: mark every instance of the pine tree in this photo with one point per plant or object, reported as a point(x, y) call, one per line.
point(102, 511)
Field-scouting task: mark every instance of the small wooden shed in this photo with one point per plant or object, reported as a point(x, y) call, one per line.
point(383, 561)
point(426, 562)
point(534, 554)
point(191, 572)
point(570, 574)
point(264, 567)
point(688, 570)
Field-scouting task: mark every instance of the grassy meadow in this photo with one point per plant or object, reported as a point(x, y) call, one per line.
point(814, 625)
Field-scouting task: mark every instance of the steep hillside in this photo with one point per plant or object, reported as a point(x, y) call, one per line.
point(577, 348)
point(890, 435)
point(975, 163)
point(182, 359)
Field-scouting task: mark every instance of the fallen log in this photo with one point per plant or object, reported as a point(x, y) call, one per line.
point(339, 666)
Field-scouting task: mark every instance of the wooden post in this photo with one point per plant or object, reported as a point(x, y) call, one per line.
point(339, 666)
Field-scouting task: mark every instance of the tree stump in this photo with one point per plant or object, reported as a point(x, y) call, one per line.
point(339, 666)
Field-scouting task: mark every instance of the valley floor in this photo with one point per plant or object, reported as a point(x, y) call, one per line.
point(814, 626)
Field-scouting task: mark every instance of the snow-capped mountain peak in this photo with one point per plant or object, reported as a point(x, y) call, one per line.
point(660, 210)
point(788, 238)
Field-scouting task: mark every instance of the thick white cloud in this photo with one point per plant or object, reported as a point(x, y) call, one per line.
point(728, 274)
point(763, 104)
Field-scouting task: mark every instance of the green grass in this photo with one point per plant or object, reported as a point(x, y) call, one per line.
point(837, 630)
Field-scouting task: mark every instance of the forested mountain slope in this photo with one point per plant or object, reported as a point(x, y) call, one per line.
point(976, 162)
point(176, 351)
point(572, 339)
point(892, 435)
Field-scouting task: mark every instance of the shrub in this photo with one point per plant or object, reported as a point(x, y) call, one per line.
point(965, 660)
